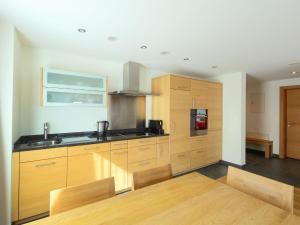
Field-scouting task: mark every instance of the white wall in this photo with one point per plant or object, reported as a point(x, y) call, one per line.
point(67, 119)
point(234, 117)
point(268, 122)
point(6, 106)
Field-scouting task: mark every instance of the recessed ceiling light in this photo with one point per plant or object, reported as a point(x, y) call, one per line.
point(144, 47)
point(112, 38)
point(81, 30)
point(164, 53)
point(186, 59)
point(214, 67)
point(294, 72)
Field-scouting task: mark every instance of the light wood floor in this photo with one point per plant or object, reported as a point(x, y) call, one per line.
point(296, 197)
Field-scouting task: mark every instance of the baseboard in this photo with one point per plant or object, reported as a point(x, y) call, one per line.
point(225, 163)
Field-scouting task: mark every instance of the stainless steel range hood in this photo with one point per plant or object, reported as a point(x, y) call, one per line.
point(131, 81)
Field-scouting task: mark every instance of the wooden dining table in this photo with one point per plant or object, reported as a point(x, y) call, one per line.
point(190, 199)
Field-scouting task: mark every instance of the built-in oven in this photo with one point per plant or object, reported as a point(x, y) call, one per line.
point(199, 122)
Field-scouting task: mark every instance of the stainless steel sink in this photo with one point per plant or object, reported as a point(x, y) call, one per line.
point(45, 142)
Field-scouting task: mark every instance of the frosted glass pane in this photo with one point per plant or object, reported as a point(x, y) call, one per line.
point(69, 80)
point(71, 98)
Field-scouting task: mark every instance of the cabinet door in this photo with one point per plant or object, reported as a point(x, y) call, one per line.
point(180, 100)
point(180, 125)
point(199, 94)
point(163, 154)
point(180, 162)
point(214, 149)
point(15, 186)
point(214, 106)
point(119, 168)
point(87, 168)
point(180, 83)
point(139, 153)
point(37, 179)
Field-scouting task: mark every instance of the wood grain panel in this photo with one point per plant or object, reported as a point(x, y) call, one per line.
point(140, 153)
point(163, 153)
point(271, 191)
point(37, 179)
point(199, 94)
point(15, 185)
point(119, 168)
point(180, 162)
point(43, 154)
point(141, 142)
point(180, 83)
point(88, 167)
point(188, 199)
point(65, 199)
point(87, 149)
point(118, 145)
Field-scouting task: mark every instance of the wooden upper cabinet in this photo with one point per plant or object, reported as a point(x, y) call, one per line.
point(37, 179)
point(88, 167)
point(180, 83)
point(180, 100)
point(199, 94)
point(215, 106)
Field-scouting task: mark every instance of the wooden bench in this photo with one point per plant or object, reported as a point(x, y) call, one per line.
point(268, 145)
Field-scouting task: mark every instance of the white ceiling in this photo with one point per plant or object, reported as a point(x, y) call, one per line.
point(260, 37)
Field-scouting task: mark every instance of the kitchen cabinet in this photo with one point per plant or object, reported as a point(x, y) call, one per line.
point(88, 167)
point(215, 106)
point(199, 91)
point(119, 168)
point(37, 179)
point(15, 186)
point(139, 153)
point(180, 83)
point(163, 151)
point(172, 101)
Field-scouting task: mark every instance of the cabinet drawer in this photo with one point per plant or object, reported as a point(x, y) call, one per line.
point(118, 145)
point(180, 83)
point(42, 154)
point(141, 141)
point(198, 158)
point(140, 153)
point(180, 146)
point(198, 142)
point(180, 162)
point(143, 165)
point(85, 149)
point(119, 168)
point(37, 179)
point(163, 139)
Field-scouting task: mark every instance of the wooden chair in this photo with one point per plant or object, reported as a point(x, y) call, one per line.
point(152, 176)
point(75, 196)
point(268, 190)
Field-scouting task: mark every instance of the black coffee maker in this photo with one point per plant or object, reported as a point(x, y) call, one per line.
point(156, 126)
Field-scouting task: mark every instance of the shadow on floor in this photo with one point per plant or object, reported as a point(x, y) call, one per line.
point(283, 170)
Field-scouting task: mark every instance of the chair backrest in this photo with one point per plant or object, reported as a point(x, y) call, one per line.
point(151, 176)
point(75, 196)
point(268, 190)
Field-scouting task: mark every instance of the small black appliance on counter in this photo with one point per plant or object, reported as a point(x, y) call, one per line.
point(156, 126)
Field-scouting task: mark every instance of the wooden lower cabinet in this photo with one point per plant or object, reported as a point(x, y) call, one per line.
point(15, 186)
point(140, 153)
point(180, 162)
point(119, 168)
point(37, 179)
point(163, 153)
point(138, 166)
point(88, 167)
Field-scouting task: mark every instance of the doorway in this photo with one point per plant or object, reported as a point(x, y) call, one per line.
point(290, 122)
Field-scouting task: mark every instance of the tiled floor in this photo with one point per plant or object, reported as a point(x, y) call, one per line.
point(286, 170)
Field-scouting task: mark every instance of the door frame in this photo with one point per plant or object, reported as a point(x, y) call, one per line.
point(283, 122)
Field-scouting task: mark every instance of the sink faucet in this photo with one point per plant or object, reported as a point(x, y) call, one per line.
point(46, 130)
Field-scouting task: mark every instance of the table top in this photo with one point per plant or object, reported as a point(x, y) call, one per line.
point(189, 199)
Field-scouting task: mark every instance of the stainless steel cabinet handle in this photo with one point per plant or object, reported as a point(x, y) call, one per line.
point(144, 163)
point(45, 164)
point(119, 153)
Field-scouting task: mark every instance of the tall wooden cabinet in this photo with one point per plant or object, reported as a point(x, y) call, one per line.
point(174, 97)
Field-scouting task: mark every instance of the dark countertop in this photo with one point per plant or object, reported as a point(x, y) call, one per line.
point(82, 138)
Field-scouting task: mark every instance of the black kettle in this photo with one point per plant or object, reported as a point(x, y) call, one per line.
point(156, 126)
